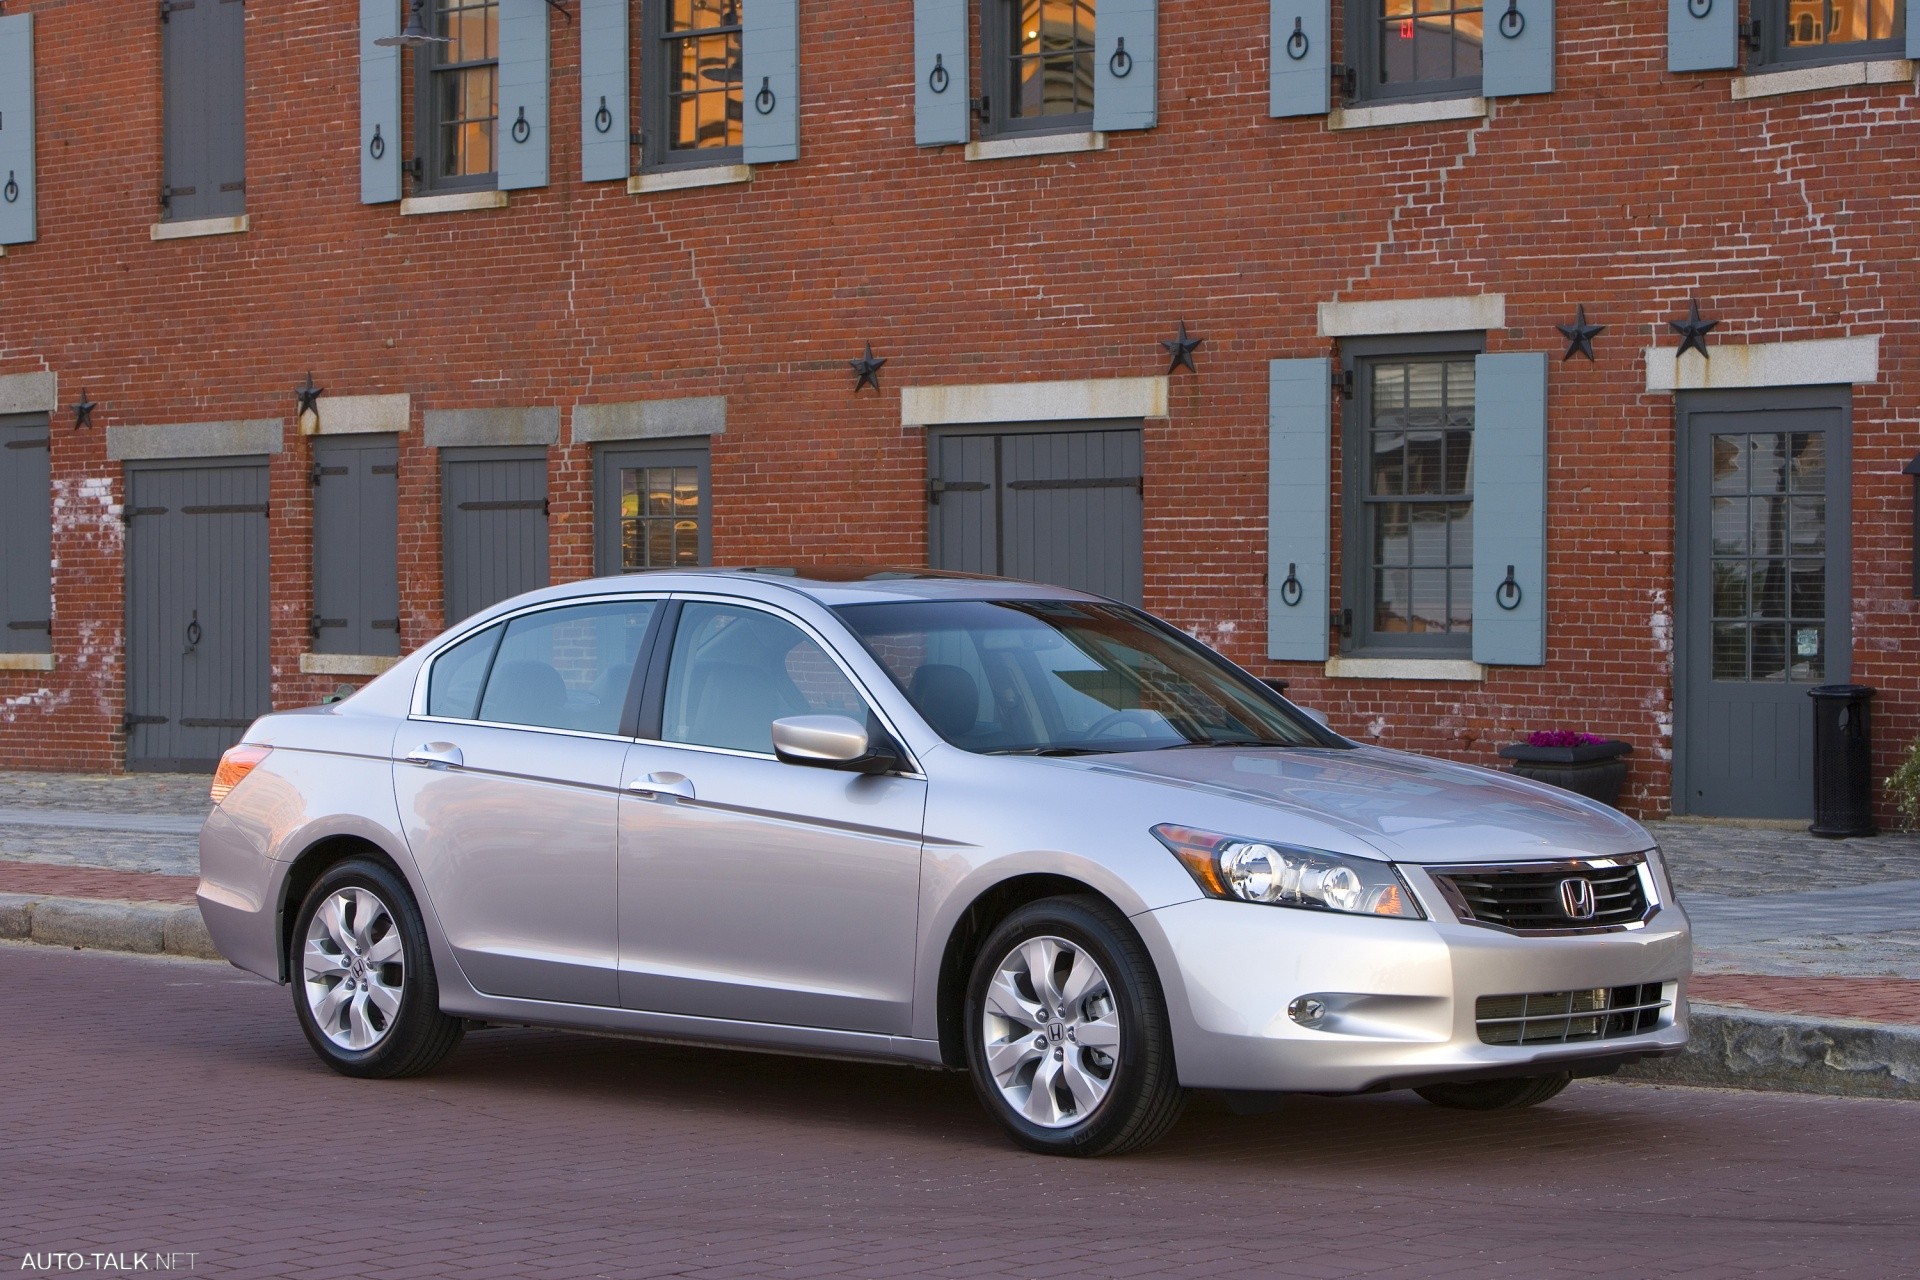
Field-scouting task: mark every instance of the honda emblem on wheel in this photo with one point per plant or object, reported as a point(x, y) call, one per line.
point(1576, 898)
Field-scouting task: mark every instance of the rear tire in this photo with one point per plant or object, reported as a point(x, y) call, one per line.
point(1496, 1095)
point(1067, 1035)
point(363, 983)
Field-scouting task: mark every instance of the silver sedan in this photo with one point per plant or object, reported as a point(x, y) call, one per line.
point(952, 821)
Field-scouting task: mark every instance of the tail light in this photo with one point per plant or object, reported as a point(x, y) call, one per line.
point(236, 764)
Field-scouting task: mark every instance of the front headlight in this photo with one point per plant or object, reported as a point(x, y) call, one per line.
point(1283, 875)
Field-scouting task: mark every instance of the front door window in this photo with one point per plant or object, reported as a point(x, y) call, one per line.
point(1769, 556)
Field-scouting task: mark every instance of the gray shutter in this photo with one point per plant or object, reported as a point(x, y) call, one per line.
point(940, 81)
point(1299, 498)
point(604, 94)
point(356, 516)
point(770, 89)
point(1913, 28)
point(1510, 508)
point(204, 100)
point(1302, 67)
point(1704, 35)
point(26, 524)
point(1517, 49)
point(17, 186)
point(1126, 64)
point(493, 524)
point(521, 137)
point(379, 103)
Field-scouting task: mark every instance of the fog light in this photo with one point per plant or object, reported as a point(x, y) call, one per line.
point(1307, 1011)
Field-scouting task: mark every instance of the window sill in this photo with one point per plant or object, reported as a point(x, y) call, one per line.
point(452, 202)
point(1037, 144)
point(718, 175)
point(196, 227)
point(1392, 113)
point(26, 662)
point(1838, 75)
point(344, 664)
point(1405, 669)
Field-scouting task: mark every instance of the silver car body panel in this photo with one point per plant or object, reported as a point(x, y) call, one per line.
point(660, 890)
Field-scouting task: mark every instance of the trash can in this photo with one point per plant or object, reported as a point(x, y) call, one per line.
point(1842, 760)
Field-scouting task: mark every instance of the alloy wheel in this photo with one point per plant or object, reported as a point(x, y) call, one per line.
point(1051, 1032)
point(354, 968)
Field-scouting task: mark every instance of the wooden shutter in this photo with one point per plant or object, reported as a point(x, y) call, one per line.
point(18, 190)
point(203, 54)
point(1913, 28)
point(494, 522)
point(1126, 64)
point(1299, 501)
point(520, 139)
point(1517, 50)
point(26, 523)
point(1704, 35)
point(1510, 509)
point(1302, 67)
point(356, 516)
point(604, 93)
point(940, 82)
point(770, 89)
point(379, 103)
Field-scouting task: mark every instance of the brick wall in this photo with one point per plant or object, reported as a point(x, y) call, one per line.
point(1629, 190)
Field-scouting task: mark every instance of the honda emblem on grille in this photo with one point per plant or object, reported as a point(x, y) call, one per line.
point(1576, 898)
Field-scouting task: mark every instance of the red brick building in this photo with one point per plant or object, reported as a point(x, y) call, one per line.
point(600, 258)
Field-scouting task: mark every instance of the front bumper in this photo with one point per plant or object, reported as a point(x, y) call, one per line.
point(1401, 995)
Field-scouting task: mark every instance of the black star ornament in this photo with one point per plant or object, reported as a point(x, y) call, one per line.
point(309, 396)
point(868, 370)
point(1693, 331)
point(83, 411)
point(1580, 335)
point(1181, 350)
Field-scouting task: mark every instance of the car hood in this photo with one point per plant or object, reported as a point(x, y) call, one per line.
point(1409, 808)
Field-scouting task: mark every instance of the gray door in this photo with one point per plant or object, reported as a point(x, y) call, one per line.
point(494, 522)
point(205, 98)
point(356, 537)
point(1763, 595)
point(1051, 505)
point(196, 562)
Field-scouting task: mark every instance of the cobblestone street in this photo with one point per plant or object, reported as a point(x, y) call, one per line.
point(172, 1105)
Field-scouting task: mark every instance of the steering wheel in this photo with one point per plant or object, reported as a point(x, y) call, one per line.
point(1141, 721)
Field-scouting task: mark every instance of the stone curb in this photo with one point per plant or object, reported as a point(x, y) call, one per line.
point(1739, 1048)
point(148, 928)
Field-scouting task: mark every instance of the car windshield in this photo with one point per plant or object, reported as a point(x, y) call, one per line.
point(1064, 677)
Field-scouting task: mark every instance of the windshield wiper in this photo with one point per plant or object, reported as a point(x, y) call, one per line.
point(1050, 751)
point(1227, 742)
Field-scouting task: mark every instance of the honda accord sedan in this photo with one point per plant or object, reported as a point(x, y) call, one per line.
point(929, 818)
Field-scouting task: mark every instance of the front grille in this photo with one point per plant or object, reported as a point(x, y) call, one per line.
point(1568, 1017)
point(1530, 898)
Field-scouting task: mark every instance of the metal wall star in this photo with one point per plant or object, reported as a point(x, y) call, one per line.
point(1181, 350)
point(868, 370)
point(1580, 335)
point(1693, 331)
point(83, 411)
point(309, 396)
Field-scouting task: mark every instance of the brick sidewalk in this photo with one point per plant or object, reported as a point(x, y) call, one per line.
point(89, 882)
point(1867, 999)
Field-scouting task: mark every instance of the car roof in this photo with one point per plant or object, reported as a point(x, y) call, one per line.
point(842, 584)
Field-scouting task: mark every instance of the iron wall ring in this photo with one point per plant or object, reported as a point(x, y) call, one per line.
point(1291, 591)
point(12, 191)
point(938, 79)
point(1699, 8)
point(764, 101)
point(193, 633)
point(603, 118)
point(378, 147)
point(1508, 594)
point(1297, 43)
point(1121, 63)
point(1513, 22)
point(521, 129)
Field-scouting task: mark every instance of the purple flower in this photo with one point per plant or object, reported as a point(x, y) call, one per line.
point(1563, 738)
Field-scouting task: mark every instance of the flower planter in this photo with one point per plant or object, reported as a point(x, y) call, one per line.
point(1595, 770)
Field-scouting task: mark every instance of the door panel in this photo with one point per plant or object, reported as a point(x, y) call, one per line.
point(494, 520)
point(1764, 602)
point(197, 672)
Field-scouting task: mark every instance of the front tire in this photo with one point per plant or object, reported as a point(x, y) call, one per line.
point(363, 982)
point(1067, 1035)
point(1496, 1095)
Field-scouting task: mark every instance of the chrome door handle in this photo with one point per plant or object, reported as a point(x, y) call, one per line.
point(657, 785)
point(436, 755)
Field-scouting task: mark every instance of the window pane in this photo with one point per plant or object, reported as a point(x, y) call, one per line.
point(453, 690)
point(1809, 461)
point(1729, 651)
point(1052, 57)
point(1428, 40)
point(1813, 23)
point(734, 671)
point(1770, 589)
point(1808, 595)
point(1730, 526)
point(1809, 653)
point(1420, 438)
point(660, 517)
point(567, 668)
point(1730, 588)
point(1769, 651)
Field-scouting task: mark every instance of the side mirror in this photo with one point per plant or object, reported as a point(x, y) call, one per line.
point(831, 742)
